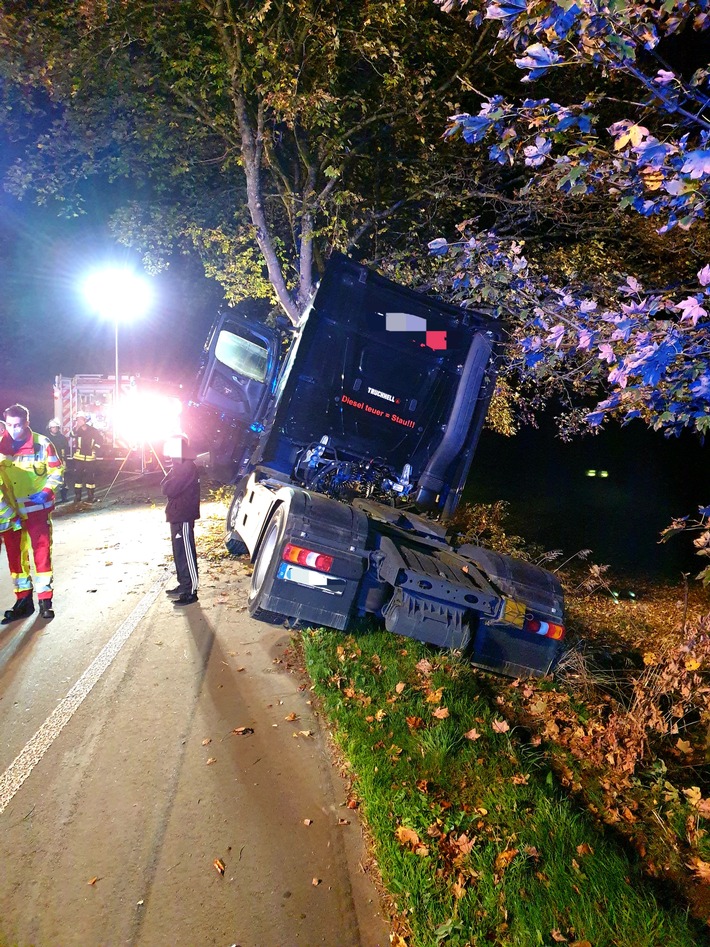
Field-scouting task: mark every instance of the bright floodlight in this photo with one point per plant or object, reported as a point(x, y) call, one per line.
point(118, 294)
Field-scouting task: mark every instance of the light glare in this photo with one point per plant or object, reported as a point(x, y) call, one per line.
point(117, 293)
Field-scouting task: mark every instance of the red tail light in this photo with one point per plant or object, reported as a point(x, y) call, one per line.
point(307, 557)
point(546, 629)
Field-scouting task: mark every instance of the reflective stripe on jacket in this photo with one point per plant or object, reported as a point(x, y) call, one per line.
point(86, 440)
point(9, 513)
point(34, 467)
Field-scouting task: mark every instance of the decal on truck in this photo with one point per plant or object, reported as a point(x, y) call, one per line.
point(378, 412)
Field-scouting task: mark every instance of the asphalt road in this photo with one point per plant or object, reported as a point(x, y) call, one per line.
point(126, 777)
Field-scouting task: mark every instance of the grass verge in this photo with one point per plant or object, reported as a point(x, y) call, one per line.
point(478, 838)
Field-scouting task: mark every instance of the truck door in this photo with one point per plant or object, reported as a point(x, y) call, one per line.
point(238, 368)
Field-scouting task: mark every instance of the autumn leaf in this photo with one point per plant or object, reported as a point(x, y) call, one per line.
point(423, 785)
point(308, 821)
point(585, 849)
point(316, 882)
point(500, 726)
point(684, 746)
point(206, 741)
point(211, 760)
point(701, 869)
point(243, 731)
point(434, 697)
point(380, 715)
point(558, 936)
point(291, 716)
point(352, 803)
point(693, 795)
point(343, 821)
point(424, 667)
point(219, 865)
point(520, 780)
point(472, 734)
point(441, 713)
point(407, 837)
point(503, 859)
point(400, 687)
point(415, 723)
point(92, 881)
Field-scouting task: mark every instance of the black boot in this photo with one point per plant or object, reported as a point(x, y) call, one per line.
point(90, 495)
point(45, 608)
point(77, 494)
point(22, 608)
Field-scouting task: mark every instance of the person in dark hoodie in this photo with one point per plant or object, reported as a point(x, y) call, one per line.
point(181, 486)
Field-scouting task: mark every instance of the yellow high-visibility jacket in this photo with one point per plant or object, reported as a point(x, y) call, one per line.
point(34, 468)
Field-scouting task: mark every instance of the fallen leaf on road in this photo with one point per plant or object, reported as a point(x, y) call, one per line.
point(219, 865)
point(242, 731)
point(343, 821)
point(239, 669)
point(92, 881)
point(212, 759)
point(291, 716)
point(316, 882)
point(352, 803)
point(303, 733)
point(206, 741)
point(308, 821)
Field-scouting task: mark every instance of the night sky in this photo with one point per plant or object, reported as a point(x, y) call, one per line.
point(48, 329)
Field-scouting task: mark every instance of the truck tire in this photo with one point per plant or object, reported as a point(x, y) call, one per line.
point(233, 541)
point(265, 566)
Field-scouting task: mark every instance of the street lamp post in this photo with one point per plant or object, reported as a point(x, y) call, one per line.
point(117, 294)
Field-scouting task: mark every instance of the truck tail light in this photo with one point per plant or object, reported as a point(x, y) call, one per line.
point(307, 557)
point(546, 629)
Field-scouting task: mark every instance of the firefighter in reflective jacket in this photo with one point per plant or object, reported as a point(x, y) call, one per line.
point(33, 471)
point(86, 439)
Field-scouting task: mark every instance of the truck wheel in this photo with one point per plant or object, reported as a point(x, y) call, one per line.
point(233, 541)
point(265, 566)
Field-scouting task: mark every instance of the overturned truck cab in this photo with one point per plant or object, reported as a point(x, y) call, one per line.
point(355, 438)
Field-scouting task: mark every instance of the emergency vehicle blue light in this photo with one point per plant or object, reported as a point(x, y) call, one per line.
point(256, 427)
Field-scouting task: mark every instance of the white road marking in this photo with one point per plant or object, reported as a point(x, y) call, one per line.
point(33, 751)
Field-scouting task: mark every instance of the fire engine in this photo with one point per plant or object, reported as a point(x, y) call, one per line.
point(352, 437)
point(146, 413)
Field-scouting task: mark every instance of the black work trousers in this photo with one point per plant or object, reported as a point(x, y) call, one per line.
point(182, 536)
point(84, 473)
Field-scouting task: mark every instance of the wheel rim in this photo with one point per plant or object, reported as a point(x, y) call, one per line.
point(266, 553)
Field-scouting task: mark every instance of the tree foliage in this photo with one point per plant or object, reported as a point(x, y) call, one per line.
point(628, 132)
point(259, 132)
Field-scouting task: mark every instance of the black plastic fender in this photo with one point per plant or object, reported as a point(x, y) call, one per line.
point(323, 525)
